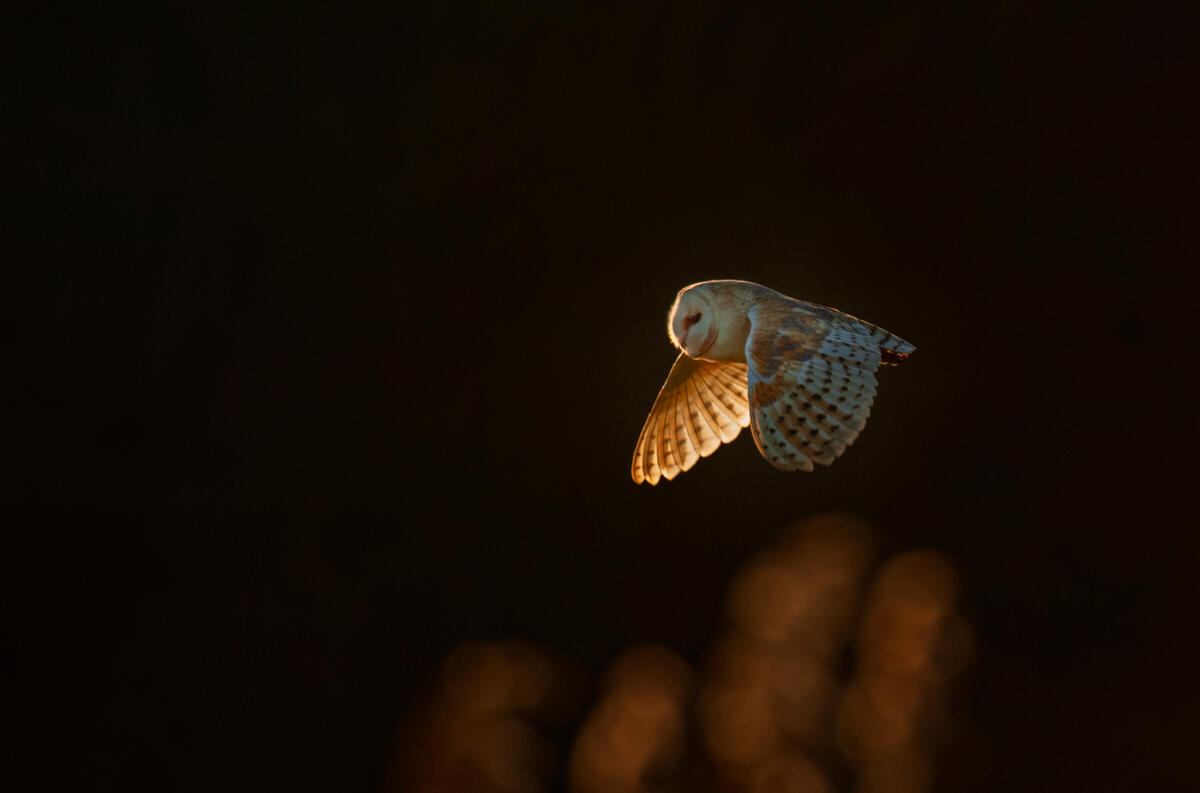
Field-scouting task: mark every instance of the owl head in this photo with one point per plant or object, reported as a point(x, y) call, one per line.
point(693, 324)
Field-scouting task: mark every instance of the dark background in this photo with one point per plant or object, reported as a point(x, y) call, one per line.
point(336, 324)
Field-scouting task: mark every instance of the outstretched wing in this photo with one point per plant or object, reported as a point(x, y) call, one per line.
point(702, 405)
point(812, 380)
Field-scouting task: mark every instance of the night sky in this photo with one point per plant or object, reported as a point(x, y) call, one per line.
point(336, 324)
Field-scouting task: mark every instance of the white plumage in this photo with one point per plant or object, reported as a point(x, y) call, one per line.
point(800, 375)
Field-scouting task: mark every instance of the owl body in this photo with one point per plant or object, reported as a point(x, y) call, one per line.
point(800, 375)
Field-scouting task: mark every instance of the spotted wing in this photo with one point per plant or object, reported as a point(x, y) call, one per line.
point(812, 380)
point(702, 405)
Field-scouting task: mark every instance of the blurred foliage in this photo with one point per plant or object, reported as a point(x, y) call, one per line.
point(832, 670)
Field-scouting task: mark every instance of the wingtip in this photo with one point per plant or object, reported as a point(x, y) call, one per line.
point(893, 358)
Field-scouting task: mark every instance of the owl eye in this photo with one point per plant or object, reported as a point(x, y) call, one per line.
point(694, 318)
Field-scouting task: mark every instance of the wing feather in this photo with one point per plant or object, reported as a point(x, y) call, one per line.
point(712, 393)
point(707, 430)
point(684, 434)
point(732, 390)
point(701, 405)
point(666, 458)
point(812, 380)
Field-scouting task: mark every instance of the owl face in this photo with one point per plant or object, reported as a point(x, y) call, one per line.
point(693, 322)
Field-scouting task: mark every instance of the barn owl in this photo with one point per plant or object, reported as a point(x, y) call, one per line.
point(800, 375)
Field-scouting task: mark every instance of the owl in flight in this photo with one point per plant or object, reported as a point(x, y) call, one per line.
point(802, 376)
